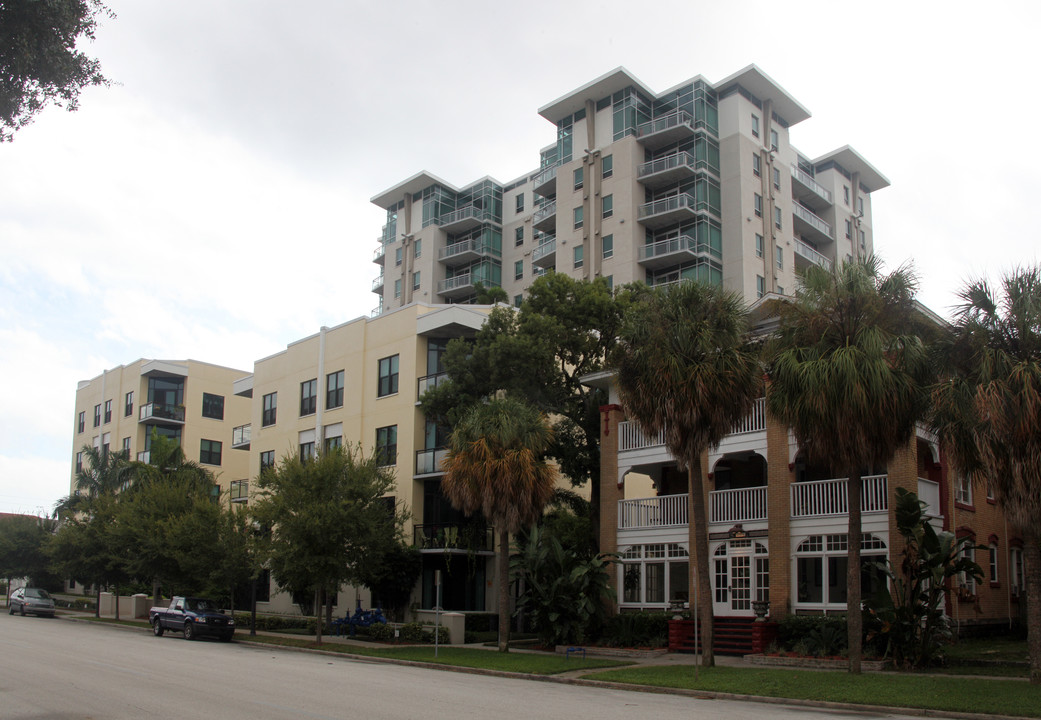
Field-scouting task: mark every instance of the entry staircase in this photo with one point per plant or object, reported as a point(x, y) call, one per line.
point(733, 636)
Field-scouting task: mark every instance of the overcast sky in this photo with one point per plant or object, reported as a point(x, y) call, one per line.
point(213, 203)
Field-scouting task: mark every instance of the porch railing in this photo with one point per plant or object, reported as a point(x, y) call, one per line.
point(631, 437)
point(653, 512)
point(830, 497)
point(741, 505)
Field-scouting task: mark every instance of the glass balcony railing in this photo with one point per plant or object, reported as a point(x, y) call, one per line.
point(807, 251)
point(680, 118)
point(812, 220)
point(161, 412)
point(546, 248)
point(806, 179)
point(428, 382)
point(455, 283)
point(664, 164)
point(241, 435)
point(671, 246)
point(429, 461)
point(667, 205)
point(545, 212)
point(377, 284)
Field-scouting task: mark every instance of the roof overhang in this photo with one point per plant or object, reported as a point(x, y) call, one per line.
point(452, 320)
point(854, 162)
point(158, 368)
point(607, 84)
point(763, 87)
point(243, 387)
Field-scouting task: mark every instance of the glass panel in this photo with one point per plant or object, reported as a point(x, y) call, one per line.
point(631, 582)
point(679, 581)
point(811, 579)
point(655, 582)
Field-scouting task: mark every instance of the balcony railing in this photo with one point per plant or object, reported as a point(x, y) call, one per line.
point(664, 252)
point(654, 512)
point(428, 382)
point(473, 247)
point(667, 128)
point(812, 220)
point(377, 284)
point(745, 504)
point(820, 498)
point(544, 179)
point(676, 165)
point(455, 283)
point(544, 249)
point(240, 491)
point(806, 179)
point(544, 214)
point(631, 437)
point(753, 421)
point(241, 435)
point(454, 536)
point(807, 251)
point(379, 253)
point(429, 461)
point(470, 212)
point(161, 412)
point(667, 205)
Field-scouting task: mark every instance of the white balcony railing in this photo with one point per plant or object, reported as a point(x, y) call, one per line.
point(675, 119)
point(631, 437)
point(811, 219)
point(745, 504)
point(820, 498)
point(654, 512)
point(546, 247)
point(811, 254)
point(806, 179)
point(669, 162)
point(753, 421)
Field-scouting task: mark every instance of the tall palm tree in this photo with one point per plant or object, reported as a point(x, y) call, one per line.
point(849, 375)
point(101, 473)
point(987, 411)
point(495, 467)
point(686, 367)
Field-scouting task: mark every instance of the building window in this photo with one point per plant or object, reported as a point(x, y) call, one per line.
point(610, 283)
point(239, 490)
point(755, 126)
point(654, 574)
point(519, 236)
point(334, 390)
point(267, 460)
point(966, 580)
point(579, 217)
point(758, 245)
point(757, 164)
point(1015, 560)
point(780, 290)
point(757, 203)
point(270, 412)
point(517, 300)
point(863, 240)
point(388, 376)
point(333, 443)
point(608, 246)
point(579, 256)
point(760, 286)
point(579, 177)
point(608, 205)
point(397, 288)
point(79, 462)
point(520, 202)
point(308, 397)
point(97, 415)
point(415, 280)
point(397, 256)
point(128, 404)
point(387, 445)
point(108, 411)
point(209, 453)
point(777, 218)
point(518, 270)
point(608, 165)
point(307, 451)
point(845, 194)
point(849, 230)
point(780, 257)
point(963, 490)
point(105, 440)
point(821, 568)
point(774, 140)
point(417, 249)
point(213, 406)
point(126, 446)
point(993, 563)
point(860, 205)
point(81, 422)
point(777, 178)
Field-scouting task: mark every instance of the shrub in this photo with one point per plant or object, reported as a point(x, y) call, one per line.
point(412, 632)
point(637, 629)
point(794, 628)
point(380, 632)
point(827, 640)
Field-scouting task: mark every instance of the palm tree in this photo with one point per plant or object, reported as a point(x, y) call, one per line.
point(686, 368)
point(495, 467)
point(848, 374)
point(987, 411)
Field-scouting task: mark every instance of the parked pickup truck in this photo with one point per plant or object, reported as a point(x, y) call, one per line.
point(192, 616)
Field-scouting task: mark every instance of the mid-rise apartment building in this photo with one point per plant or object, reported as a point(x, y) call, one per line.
point(700, 181)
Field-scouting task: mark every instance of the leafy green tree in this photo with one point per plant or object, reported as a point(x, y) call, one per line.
point(849, 375)
point(490, 295)
point(329, 521)
point(23, 542)
point(910, 613)
point(102, 473)
point(238, 562)
point(987, 412)
point(686, 368)
point(495, 467)
point(39, 62)
point(392, 579)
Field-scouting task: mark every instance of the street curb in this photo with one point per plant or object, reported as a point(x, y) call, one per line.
point(696, 694)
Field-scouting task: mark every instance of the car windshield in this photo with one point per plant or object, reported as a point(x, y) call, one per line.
point(199, 605)
point(37, 593)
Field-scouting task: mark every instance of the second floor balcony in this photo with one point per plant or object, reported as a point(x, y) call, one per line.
point(428, 382)
point(631, 436)
point(454, 537)
point(428, 462)
point(665, 511)
point(824, 498)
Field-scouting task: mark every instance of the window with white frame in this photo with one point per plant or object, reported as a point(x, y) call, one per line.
point(758, 245)
point(821, 563)
point(757, 164)
point(966, 580)
point(654, 574)
point(963, 489)
point(992, 562)
point(1015, 570)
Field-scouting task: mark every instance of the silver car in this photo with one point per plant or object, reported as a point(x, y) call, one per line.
point(31, 601)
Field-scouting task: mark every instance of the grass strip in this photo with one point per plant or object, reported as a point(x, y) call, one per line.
point(979, 695)
point(530, 663)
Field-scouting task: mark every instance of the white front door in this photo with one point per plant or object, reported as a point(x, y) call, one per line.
point(741, 573)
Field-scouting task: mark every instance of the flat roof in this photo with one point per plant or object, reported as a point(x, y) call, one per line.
point(853, 161)
point(764, 87)
point(606, 84)
point(419, 182)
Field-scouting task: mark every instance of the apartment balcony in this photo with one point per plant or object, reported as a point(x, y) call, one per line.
point(377, 284)
point(545, 218)
point(806, 222)
point(545, 183)
point(664, 511)
point(673, 251)
point(241, 436)
point(465, 252)
point(825, 498)
point(459, 286)
point(740, 505)
point(454, 537)
point(666, 130)
point(808, 252)
point(380, 254)
point(631, 438)
point(428, 462)
point(428, 382)
point(376, 311)
point(240, 491)
point(161, 414)
point(545, 254)
point(667, 170)
point(668, 211)
point(465, 218)
point(809, 191)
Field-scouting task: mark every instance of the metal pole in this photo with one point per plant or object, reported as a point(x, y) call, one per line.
point(697, 621)
point(253, 608)
point(437, 613)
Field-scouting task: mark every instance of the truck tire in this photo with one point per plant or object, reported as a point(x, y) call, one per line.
point(157, 628)
point(189, 631)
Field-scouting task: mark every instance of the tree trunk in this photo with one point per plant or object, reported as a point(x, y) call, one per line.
point(698, 537)
point(97, 600)
point(157, 595)
point(504, 590)
point(1032, 571)
point(116, 597)
point(854, 619)
point(319, 600)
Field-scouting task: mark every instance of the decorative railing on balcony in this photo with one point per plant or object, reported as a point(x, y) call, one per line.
point(241, 435)
point(808, 217)
point(469, 212)
point(429, 461)
point(631, 437)
point(377, 283)
point(653, 512)
point(161, 412)
point(806, 179)
point(753, 421)
point(679, 120)
point(810, 253)
point(545, 248)
point(820, 498)
point(929, 493)
point(454, 536)
point(544, 213)
point(454, 283)
point(429, 381)
point(742, 505)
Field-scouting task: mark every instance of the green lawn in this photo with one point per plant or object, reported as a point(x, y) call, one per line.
point(980, 695)
point(996, 649)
